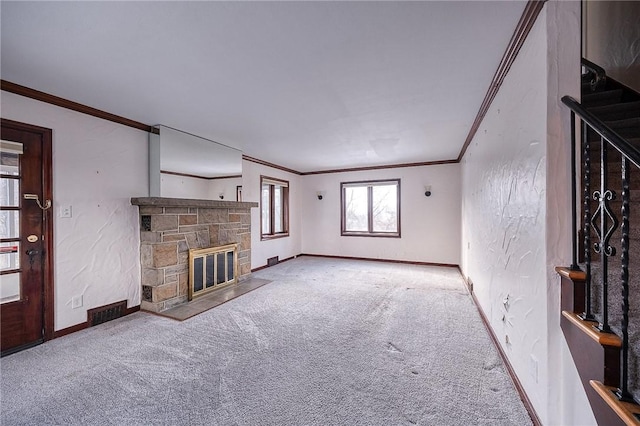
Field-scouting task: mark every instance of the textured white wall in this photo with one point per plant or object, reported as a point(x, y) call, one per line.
point(430, 225)
point(515, 203)
point(282, 247)
point(504, 190)
point(567, 401)
point(97, 167)
point(612, 38)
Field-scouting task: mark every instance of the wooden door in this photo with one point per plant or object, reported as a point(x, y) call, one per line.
point(26, 287)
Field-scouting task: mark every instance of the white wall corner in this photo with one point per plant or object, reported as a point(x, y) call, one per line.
point(567, 400)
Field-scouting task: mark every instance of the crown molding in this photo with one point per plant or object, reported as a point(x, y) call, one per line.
point(28, 92)
point(382, 167)
point(528, 18)
point(167, 172)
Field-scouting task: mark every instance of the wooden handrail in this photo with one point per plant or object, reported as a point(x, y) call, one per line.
point(614, 139)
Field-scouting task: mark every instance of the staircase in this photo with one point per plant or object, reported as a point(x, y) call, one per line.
point(601, 289)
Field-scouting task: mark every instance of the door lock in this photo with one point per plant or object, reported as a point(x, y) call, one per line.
point(47, 203)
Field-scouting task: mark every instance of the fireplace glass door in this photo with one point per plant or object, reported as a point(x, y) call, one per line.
point(212, 268)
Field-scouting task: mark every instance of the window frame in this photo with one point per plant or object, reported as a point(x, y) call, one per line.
point(271, 181)
point(369, 184)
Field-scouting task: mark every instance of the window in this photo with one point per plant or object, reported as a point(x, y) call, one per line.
point(274, 208)
point(371, 208)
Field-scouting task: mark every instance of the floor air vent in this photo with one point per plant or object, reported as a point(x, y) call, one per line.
point(106, 313)
point(272, 261)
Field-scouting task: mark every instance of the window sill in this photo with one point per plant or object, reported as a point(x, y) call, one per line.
point(367, 234)
point(273, 237)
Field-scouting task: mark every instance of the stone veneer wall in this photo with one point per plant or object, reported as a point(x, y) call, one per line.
point(169, 227)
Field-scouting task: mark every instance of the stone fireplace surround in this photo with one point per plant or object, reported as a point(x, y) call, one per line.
point(169, 227)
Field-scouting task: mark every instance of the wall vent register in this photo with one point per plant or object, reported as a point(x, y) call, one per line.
point(106, 313)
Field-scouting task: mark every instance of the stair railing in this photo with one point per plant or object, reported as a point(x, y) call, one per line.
point(603, 220)
point(596, 72)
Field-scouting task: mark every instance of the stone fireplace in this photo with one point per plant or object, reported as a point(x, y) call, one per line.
point(170, 227)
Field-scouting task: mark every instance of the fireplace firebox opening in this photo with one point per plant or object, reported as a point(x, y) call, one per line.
point(212, 268)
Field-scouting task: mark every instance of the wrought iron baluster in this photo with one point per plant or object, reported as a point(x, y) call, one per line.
point(574, 213)
point(623, 392)
point(586, 217)
point(604, 233)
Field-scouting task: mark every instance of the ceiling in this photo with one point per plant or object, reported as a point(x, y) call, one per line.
point(305, 85)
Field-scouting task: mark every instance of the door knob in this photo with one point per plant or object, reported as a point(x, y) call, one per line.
point(32, 253)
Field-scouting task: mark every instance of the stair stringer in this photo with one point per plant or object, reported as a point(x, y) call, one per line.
point(596, 355)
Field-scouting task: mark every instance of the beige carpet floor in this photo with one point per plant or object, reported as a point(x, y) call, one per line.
point(328, 342)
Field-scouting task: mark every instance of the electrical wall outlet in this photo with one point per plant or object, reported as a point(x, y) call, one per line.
point(76, 302)
point(65, 211)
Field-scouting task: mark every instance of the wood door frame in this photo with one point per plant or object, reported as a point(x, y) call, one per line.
point(48, 300)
